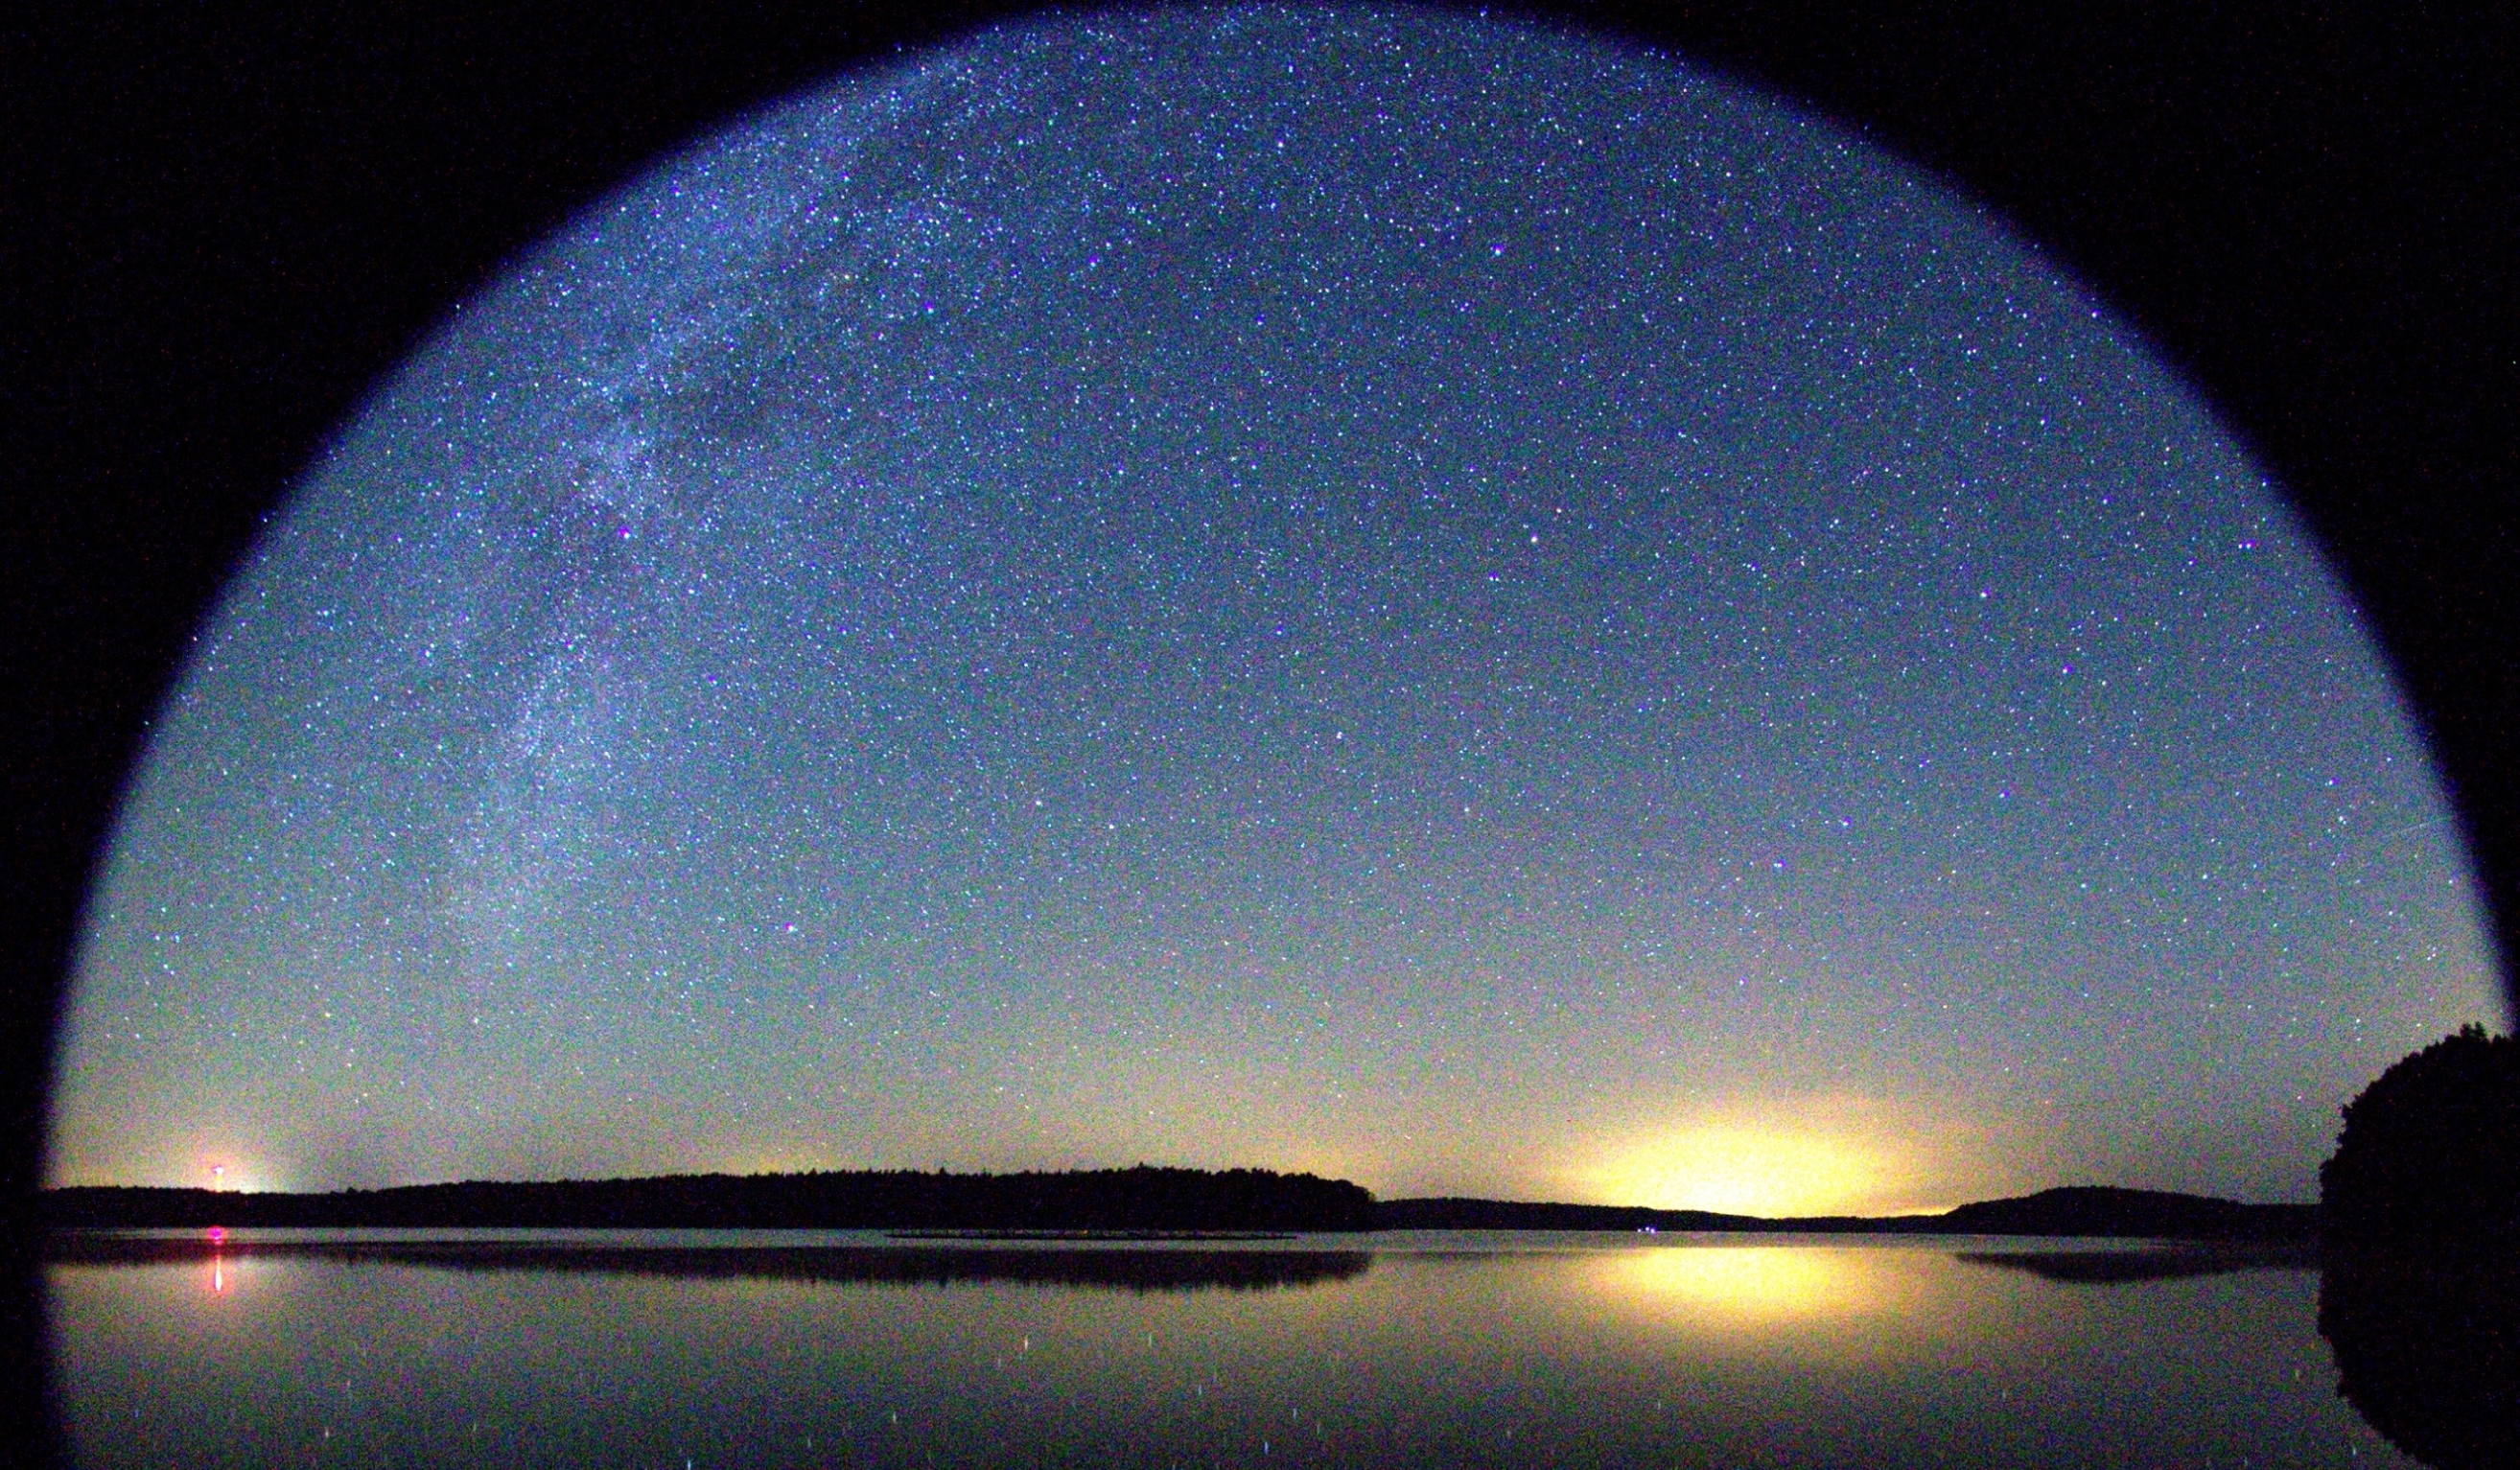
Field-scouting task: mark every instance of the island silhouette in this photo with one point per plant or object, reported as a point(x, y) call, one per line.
point(1110, 1201)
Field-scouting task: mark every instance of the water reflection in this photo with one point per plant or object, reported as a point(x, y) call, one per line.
point(1729, 1288)
point(1429, 1351)
point(2153, 1261)
point(2427, 1346)
point(1135, 1268)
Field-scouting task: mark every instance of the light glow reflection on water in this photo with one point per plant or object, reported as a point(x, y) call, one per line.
point(1435, 1349)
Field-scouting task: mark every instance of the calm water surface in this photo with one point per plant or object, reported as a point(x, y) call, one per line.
point(375, 1348)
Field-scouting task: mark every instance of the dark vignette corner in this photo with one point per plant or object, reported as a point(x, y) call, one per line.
point(218, 225)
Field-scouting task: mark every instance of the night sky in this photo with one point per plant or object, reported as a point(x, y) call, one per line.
point(1376, 593)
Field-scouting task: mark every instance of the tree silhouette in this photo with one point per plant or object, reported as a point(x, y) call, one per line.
point(2431, 1150)
point(1140, 1198)
point(2419, 1209)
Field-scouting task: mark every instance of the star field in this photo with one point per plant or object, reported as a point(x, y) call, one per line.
point(1364, 592)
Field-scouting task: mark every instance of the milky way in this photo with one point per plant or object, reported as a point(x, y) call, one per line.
point(1372, 593)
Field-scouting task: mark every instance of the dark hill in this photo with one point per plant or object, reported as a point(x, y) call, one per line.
point(2150, 1213)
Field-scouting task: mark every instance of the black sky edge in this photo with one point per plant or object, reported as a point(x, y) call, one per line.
point(218, 226)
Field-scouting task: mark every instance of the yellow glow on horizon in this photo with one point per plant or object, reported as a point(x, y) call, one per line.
point(1752, 1169)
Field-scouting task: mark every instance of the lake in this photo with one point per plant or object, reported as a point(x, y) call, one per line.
point(843, 1348)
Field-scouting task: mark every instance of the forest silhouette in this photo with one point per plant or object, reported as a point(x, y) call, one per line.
point(2419, 1297)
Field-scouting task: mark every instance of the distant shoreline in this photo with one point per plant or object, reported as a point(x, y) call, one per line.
point(1142, 1203)
point(2096, 1211)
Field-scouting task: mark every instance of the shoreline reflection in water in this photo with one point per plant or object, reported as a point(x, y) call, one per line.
point(1127, 1266)
point(1422, 1350)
